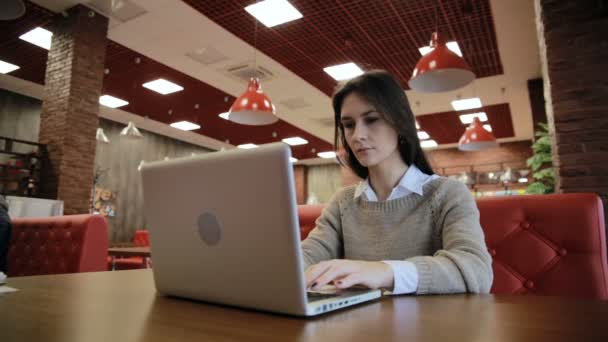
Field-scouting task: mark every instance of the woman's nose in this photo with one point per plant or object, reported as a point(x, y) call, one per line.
point(360, 132)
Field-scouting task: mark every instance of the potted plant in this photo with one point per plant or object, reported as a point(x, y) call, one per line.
point(541, 163)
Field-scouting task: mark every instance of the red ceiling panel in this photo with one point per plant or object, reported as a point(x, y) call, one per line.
point(373, 34)
point(446, 128)
point(125, 78)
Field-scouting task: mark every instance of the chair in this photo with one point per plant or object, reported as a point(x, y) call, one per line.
point(57, 244)
point(140, 239)
point(540, 244)
point(307, 215)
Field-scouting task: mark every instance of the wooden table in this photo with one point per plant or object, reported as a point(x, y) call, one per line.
point(129, 251)
point(124, 306)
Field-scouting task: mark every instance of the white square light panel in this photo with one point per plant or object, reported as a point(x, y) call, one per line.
point(343, 72)
point(163, 86)
point(273, 12)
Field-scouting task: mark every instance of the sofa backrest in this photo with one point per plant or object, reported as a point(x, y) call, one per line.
point(58, 244)
point(307, 215)
point(547, 244)
point(540, 244)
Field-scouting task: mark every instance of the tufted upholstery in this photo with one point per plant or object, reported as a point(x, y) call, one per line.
point(58, 244)
point(540, 244)
point(551, 244)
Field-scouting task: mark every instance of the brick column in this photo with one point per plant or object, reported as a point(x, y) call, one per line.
point(573, 38)
point(69, 119)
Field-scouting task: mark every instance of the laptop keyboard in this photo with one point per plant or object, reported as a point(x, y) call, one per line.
point(315, 296)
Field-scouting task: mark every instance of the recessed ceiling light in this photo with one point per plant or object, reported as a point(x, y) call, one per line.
point(422, 135)
point(185, 125)
point(163, 86)
point(468, 118)
point(428, 143)
point(273, 12)
point(247, 146)
point(343, 72)
point(293, 160)
point(39, 37)
point(327, 155)
point(111, 101)
point(451, 45)
point(465, 104)
point(523, 180)
point(5, 67)
point(487, 127)
point(294, 141)
point(224, 115)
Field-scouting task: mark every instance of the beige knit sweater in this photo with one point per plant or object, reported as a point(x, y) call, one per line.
point(439, 232)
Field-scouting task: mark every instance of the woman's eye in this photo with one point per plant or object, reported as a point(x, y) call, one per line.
point(348, 125)
point(370, 120)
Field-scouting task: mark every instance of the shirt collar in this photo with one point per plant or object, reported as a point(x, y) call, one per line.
point(412, 180)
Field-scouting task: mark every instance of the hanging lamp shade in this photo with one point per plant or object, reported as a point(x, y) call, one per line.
point(101, 136)
point(130, 131)
point(440, 70)
point(476, 138)
point(253, 107)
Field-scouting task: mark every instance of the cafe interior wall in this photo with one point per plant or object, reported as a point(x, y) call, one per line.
point(117, 161)
point(116, 165)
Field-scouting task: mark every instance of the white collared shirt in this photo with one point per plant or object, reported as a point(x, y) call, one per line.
point(404, 272)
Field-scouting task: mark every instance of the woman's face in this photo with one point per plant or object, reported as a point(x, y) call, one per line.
point(370, 137)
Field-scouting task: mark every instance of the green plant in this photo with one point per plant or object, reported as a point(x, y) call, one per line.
point(541, 163)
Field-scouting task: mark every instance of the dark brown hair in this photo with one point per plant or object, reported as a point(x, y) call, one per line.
point(383, 91)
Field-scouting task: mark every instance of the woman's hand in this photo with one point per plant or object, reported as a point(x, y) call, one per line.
point(346, 273)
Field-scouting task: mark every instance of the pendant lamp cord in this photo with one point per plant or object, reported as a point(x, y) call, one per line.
point(134, 93)
point(437, 16)
point(255, 47)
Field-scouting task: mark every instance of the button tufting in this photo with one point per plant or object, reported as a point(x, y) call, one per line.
point(529, 284)
point(492, 252)
point(525, 225)
point(563, 252)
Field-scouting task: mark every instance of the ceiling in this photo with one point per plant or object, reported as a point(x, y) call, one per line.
point(374, 34)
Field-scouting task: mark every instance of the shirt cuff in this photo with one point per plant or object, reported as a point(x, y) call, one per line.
point(405, 277)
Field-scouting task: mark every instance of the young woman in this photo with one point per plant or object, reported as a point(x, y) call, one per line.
point(403, 229)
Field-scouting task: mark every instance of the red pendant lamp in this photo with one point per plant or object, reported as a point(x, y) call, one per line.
point(476, 138)
point(253, 107)
point(441, 69)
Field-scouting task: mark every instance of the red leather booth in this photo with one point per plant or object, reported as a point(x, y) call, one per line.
point(540, 244)
point(58, 244)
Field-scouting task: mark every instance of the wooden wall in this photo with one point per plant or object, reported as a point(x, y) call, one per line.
point(118, 162)
point(323, 181)
point(20, 119)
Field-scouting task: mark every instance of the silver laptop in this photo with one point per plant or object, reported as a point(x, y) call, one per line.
point(224, 229)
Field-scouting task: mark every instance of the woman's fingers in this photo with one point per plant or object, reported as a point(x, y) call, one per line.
point(324, 272)
point(335, 271)
point(347, 273)
point(350, 280)
point(314, 271)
